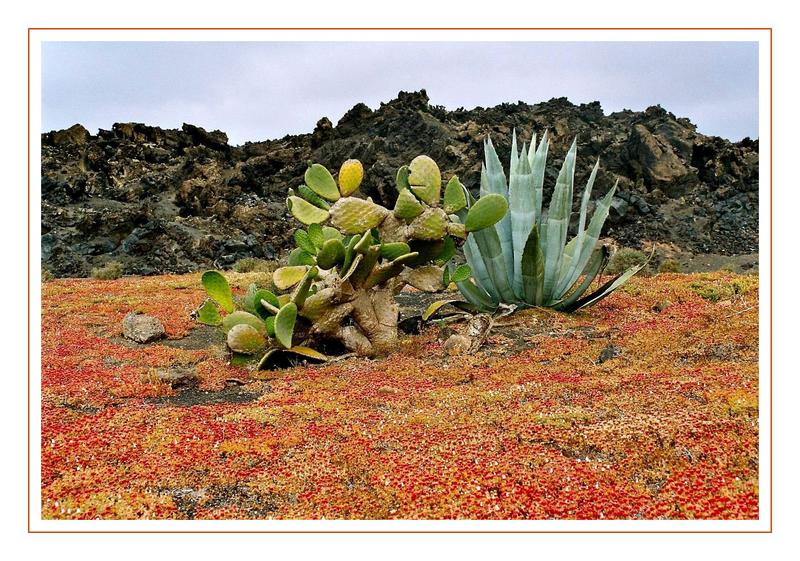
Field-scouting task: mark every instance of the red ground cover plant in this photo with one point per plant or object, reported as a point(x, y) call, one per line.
point(534, 426)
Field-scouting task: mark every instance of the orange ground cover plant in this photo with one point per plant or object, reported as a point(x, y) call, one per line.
point(533, 426)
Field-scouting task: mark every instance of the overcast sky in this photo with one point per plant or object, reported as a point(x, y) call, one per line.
point(262, 90)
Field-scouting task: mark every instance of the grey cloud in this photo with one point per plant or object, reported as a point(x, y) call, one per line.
point(260, 90)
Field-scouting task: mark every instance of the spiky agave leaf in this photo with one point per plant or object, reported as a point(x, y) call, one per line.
point(493, 180)
point(554, 233)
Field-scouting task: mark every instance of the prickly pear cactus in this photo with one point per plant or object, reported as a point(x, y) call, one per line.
point(354, 255)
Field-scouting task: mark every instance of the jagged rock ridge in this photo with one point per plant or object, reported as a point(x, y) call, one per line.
point(180, 200)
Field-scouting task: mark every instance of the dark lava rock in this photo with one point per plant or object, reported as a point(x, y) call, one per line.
point(161, 200)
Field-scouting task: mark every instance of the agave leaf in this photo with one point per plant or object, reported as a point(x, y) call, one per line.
point(493, 180)
point(532, 269)
point(514, 157)
point(283, 358)
point(591, 235)
point(208, 314)
point(219, 289)
point(537, 161)
point(476, 296)
point(431, 310)
point(491, 250)
point(598, 258)
point(572, 259)
point(478, 267)
point(611, 285)
point(284, 324)
point(558, 221)
point(523, 215)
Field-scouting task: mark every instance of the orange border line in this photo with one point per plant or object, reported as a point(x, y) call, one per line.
point(771, 507)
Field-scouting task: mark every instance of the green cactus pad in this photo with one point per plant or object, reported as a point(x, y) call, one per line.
point(401, 180)
point(391, 251)
point(354, 216)
point(304, 242)
point(425, 179)
point(219, 289)
point(316, 236)
point(448, 251)
point(427, 251)
point(455, 197)
point(270, 324)
point(299, 257)
point(284, 324)
point(302, 290)
point(245, 339)
point(349, 252)
point(241, 317)
point(364, 268)
point(350, 176)
point(331, 254)
point(252, 301)
point(305, 212)
point(329, 233)
point(312, 197)
point(407, 206)
point(364, 243)
point(430, 225)
point(287, 277)
point(320, 180)
point(462, 273)
point(456, 229)
point(208, 314)
point(385, 271)
point(487, 211)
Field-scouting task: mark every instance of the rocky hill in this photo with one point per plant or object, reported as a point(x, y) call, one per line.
point(180, 200)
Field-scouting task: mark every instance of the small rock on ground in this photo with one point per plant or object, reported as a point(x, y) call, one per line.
point(142, 328)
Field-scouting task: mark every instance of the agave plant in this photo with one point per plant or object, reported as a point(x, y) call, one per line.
point(340, 280)
point(525, 259)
